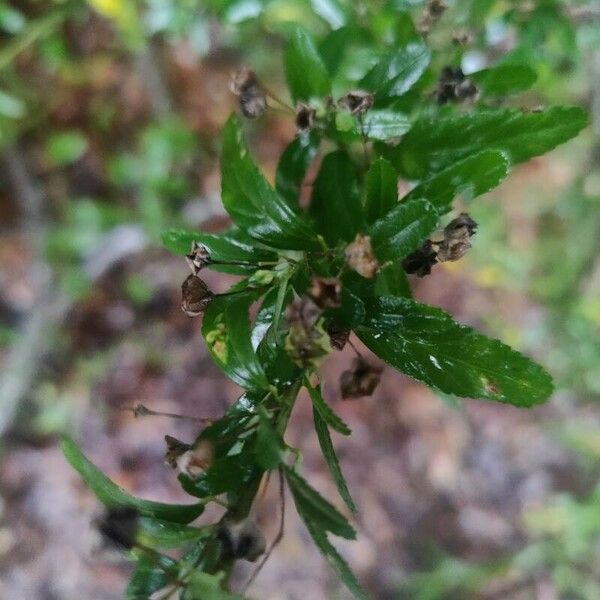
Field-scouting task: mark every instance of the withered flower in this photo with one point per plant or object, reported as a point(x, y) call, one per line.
point(326, 292)
point(421, 260)
point(119, 525)
point(241, 539)
point(307, 343)
point(198, 258)
point(454, 86)
point(456, 240)
point(195, 296)
point(338, 336)
point(175, 448)
point(360, 257)
point(251, 96)
point(357, 102)
point(197, 459)
point(305, 117)
point(360, 380)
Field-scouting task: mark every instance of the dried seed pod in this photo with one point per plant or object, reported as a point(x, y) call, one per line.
point(195, 296)
point(305, 117)
point(457, 235)
point(175, 448)
point(338, 336)
point(119, 525)
point(421, 260)
point(198, 258)
point(241, 539)
point(360, 257)
point(454, 86)
point(326, 292)
point(307, 343)
point(357, 102)
point(198, 459)
point(251, 96)
point(431, 14)
point(360, 380)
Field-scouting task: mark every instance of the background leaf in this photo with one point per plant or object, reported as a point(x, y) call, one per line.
point(111, 494)
point(150, 576)
point(325, 411)
point(382, 190)
point(504, 79)
point(305, 71)
point(426, 344)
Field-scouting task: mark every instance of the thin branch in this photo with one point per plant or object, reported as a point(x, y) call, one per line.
point(139, 410)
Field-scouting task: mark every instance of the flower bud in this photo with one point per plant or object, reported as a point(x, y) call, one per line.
point(195, 296)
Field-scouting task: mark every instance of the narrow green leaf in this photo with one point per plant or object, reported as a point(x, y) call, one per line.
point(156, 533)
point(268, 444)
point(382, 190)
point(434, 144)
point(336, 562)
point(331, 458)
point(305, 71)
point(426, 344)
point(313, 508)
point(335, 203)
point(293, 165)
point(395, 73)
point(152, 574)
point(325, 410)
point(253, 204)
point(230, 245)
point(111, 494)
point(504, 79)
point(402, 229)
point(385, 124)
point(210, 587)
point(470, 177)
point(226, 329)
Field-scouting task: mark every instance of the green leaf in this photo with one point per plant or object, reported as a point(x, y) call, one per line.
point(305, 71)
point(385, 124)
point(335, 46)
point(313, 508)
point(336, 562)
point(335, 204)
point(151, 575)
point(433, 144)
point(392, 281)
point(325, 410)
point(426, 344)
point(231, 245)
point(402, 230)
point(336, 13)
point(210, 587)
point(395, 73)
point(226, 329)
point(470, 177)
point(253, 204)
point(65, 147)
point(504, 79)
point(268, 444)
point(382, 190)
point(156, 533)
point(111, 494)
point(293, 165)
point(331, 459)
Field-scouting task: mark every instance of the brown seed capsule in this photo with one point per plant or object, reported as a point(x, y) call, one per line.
point(359, 256)
point(456, 240)
point(305, 118)
point(326, 292)
point(198, 459)
point(338, 336)
point(198, 258)
point(421, 260)
point(252, 98)
point(175, 449)
point(357, 101)
point(360, 380)
point(241, 539)
point(195, 296)
point(119, 525)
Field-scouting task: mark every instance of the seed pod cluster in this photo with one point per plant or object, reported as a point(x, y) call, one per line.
point(241, 539)
point(252, 98)
point(454, 245)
